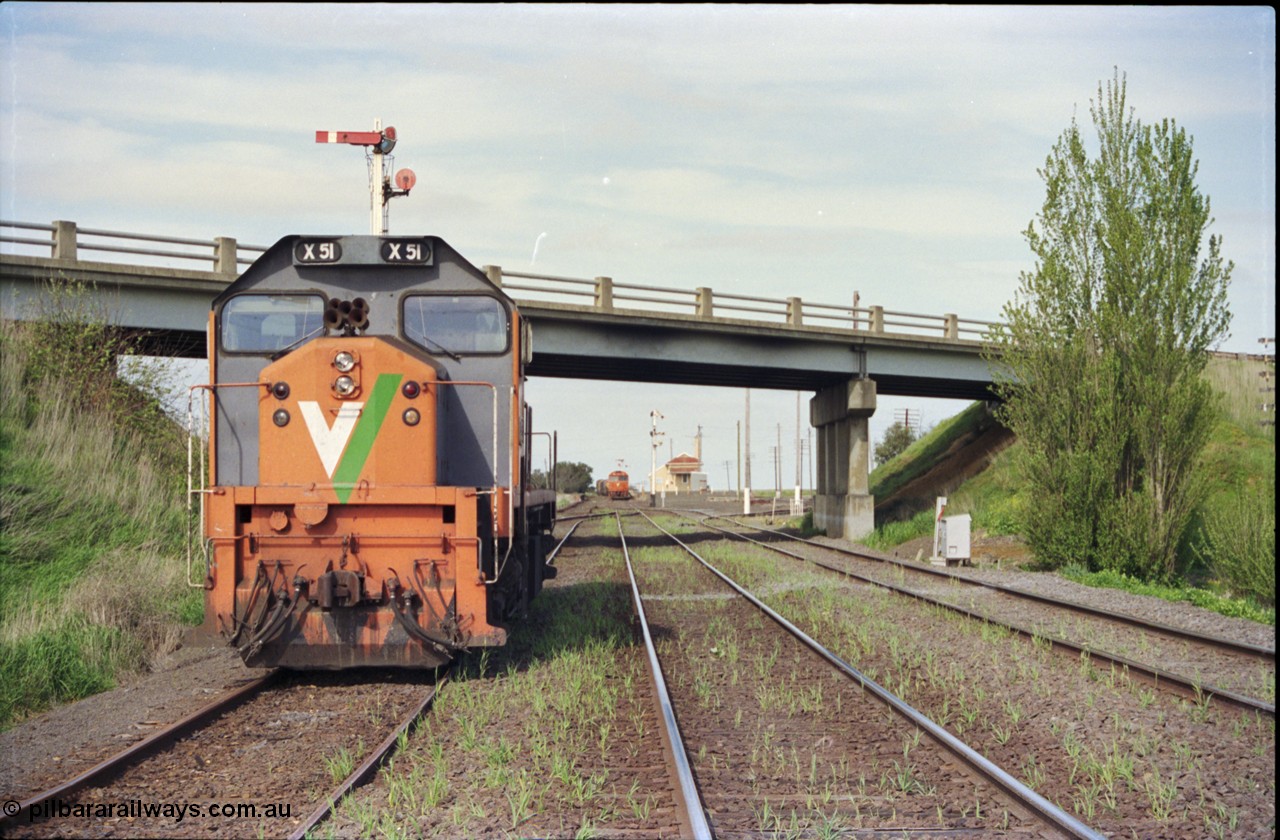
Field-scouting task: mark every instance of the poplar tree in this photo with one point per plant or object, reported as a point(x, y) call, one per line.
point(1106, 340)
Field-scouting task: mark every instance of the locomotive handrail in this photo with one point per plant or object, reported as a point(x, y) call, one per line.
point(511, 505)
point(211, 391)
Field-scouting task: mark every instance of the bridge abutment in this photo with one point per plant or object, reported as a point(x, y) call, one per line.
point(844, 506)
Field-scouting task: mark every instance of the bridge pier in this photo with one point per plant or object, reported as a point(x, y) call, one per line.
point(844, 506)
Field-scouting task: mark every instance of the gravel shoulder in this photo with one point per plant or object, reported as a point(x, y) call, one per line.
point(51, 747)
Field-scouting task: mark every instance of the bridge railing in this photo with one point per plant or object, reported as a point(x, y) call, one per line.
point(604, 294)
point(66, 241)
point(63, 240)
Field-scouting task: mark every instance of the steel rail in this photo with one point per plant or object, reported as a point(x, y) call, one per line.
point(584, 516)
point(370, 765)
point(1038, 805)
point(693, 817)
point(1159, 677)
point(147, 745)
point(552, 556)
point(1180, 632)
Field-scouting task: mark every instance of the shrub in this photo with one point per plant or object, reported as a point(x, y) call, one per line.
point(1238, 543)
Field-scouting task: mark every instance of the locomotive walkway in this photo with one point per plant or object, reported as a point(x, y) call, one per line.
point(582, 329)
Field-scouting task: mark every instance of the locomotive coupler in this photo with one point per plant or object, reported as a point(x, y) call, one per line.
point(339, 588)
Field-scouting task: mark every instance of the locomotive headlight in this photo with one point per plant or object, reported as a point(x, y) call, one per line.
point(344, 386)
point(344, 362)
point(280, 417)
point(411, 416)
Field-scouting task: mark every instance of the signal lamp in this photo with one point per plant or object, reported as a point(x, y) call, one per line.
point(411, 389)
point(411, 416)
point(344, 386)
point(281, 417)
point(280, 390)
point(344, 361)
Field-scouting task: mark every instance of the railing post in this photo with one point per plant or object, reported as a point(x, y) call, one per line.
point(604, 294)
point(494, 273)
point(224, 256)
point(794, 316)
point(877, 319)
point(706, 303)
point(952, 327)
point(64, 240)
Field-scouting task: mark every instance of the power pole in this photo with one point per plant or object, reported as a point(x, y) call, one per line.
point(654, 434)
point(777, 465)
point(739, 425)
point(746, 488)
point(799, 460)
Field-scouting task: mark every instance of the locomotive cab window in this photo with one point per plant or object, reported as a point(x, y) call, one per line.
point(268, 323)
point(456, 323)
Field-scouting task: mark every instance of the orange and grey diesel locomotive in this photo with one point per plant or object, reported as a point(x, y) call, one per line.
point(367, 501)
point(619, 485)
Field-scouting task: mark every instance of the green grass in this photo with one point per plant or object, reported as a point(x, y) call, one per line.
point(92, 522)
point(923, 454)
point(1237, 607)
point(896, 533)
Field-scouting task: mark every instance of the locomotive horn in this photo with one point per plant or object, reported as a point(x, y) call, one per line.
point(332, 317)
point(359, 314)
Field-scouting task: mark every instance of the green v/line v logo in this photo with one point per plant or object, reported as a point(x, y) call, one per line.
point(344, 446)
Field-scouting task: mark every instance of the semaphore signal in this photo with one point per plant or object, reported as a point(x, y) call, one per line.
point(379, 144)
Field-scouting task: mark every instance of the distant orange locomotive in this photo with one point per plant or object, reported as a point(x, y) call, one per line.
point(370, 457)
point(617, 485)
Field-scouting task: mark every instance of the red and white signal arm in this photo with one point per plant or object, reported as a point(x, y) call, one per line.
point(354, 138)
point(385, 140)
point(405, 179)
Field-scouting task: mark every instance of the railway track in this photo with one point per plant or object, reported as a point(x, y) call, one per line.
point(922, 778)
point(1134, 644)
point(201, 776)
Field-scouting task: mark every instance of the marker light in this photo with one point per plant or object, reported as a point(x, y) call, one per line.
point(344, 386)
point(411, 417)
point(280, 390)
point(411, 389)
point(344, 362)
point(281, 417)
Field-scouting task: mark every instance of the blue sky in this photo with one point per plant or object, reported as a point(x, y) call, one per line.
point(772, 151)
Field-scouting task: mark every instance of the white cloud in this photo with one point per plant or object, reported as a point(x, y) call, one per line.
point(777, 150)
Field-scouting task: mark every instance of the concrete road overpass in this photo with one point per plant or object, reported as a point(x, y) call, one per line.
point(582, 329)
